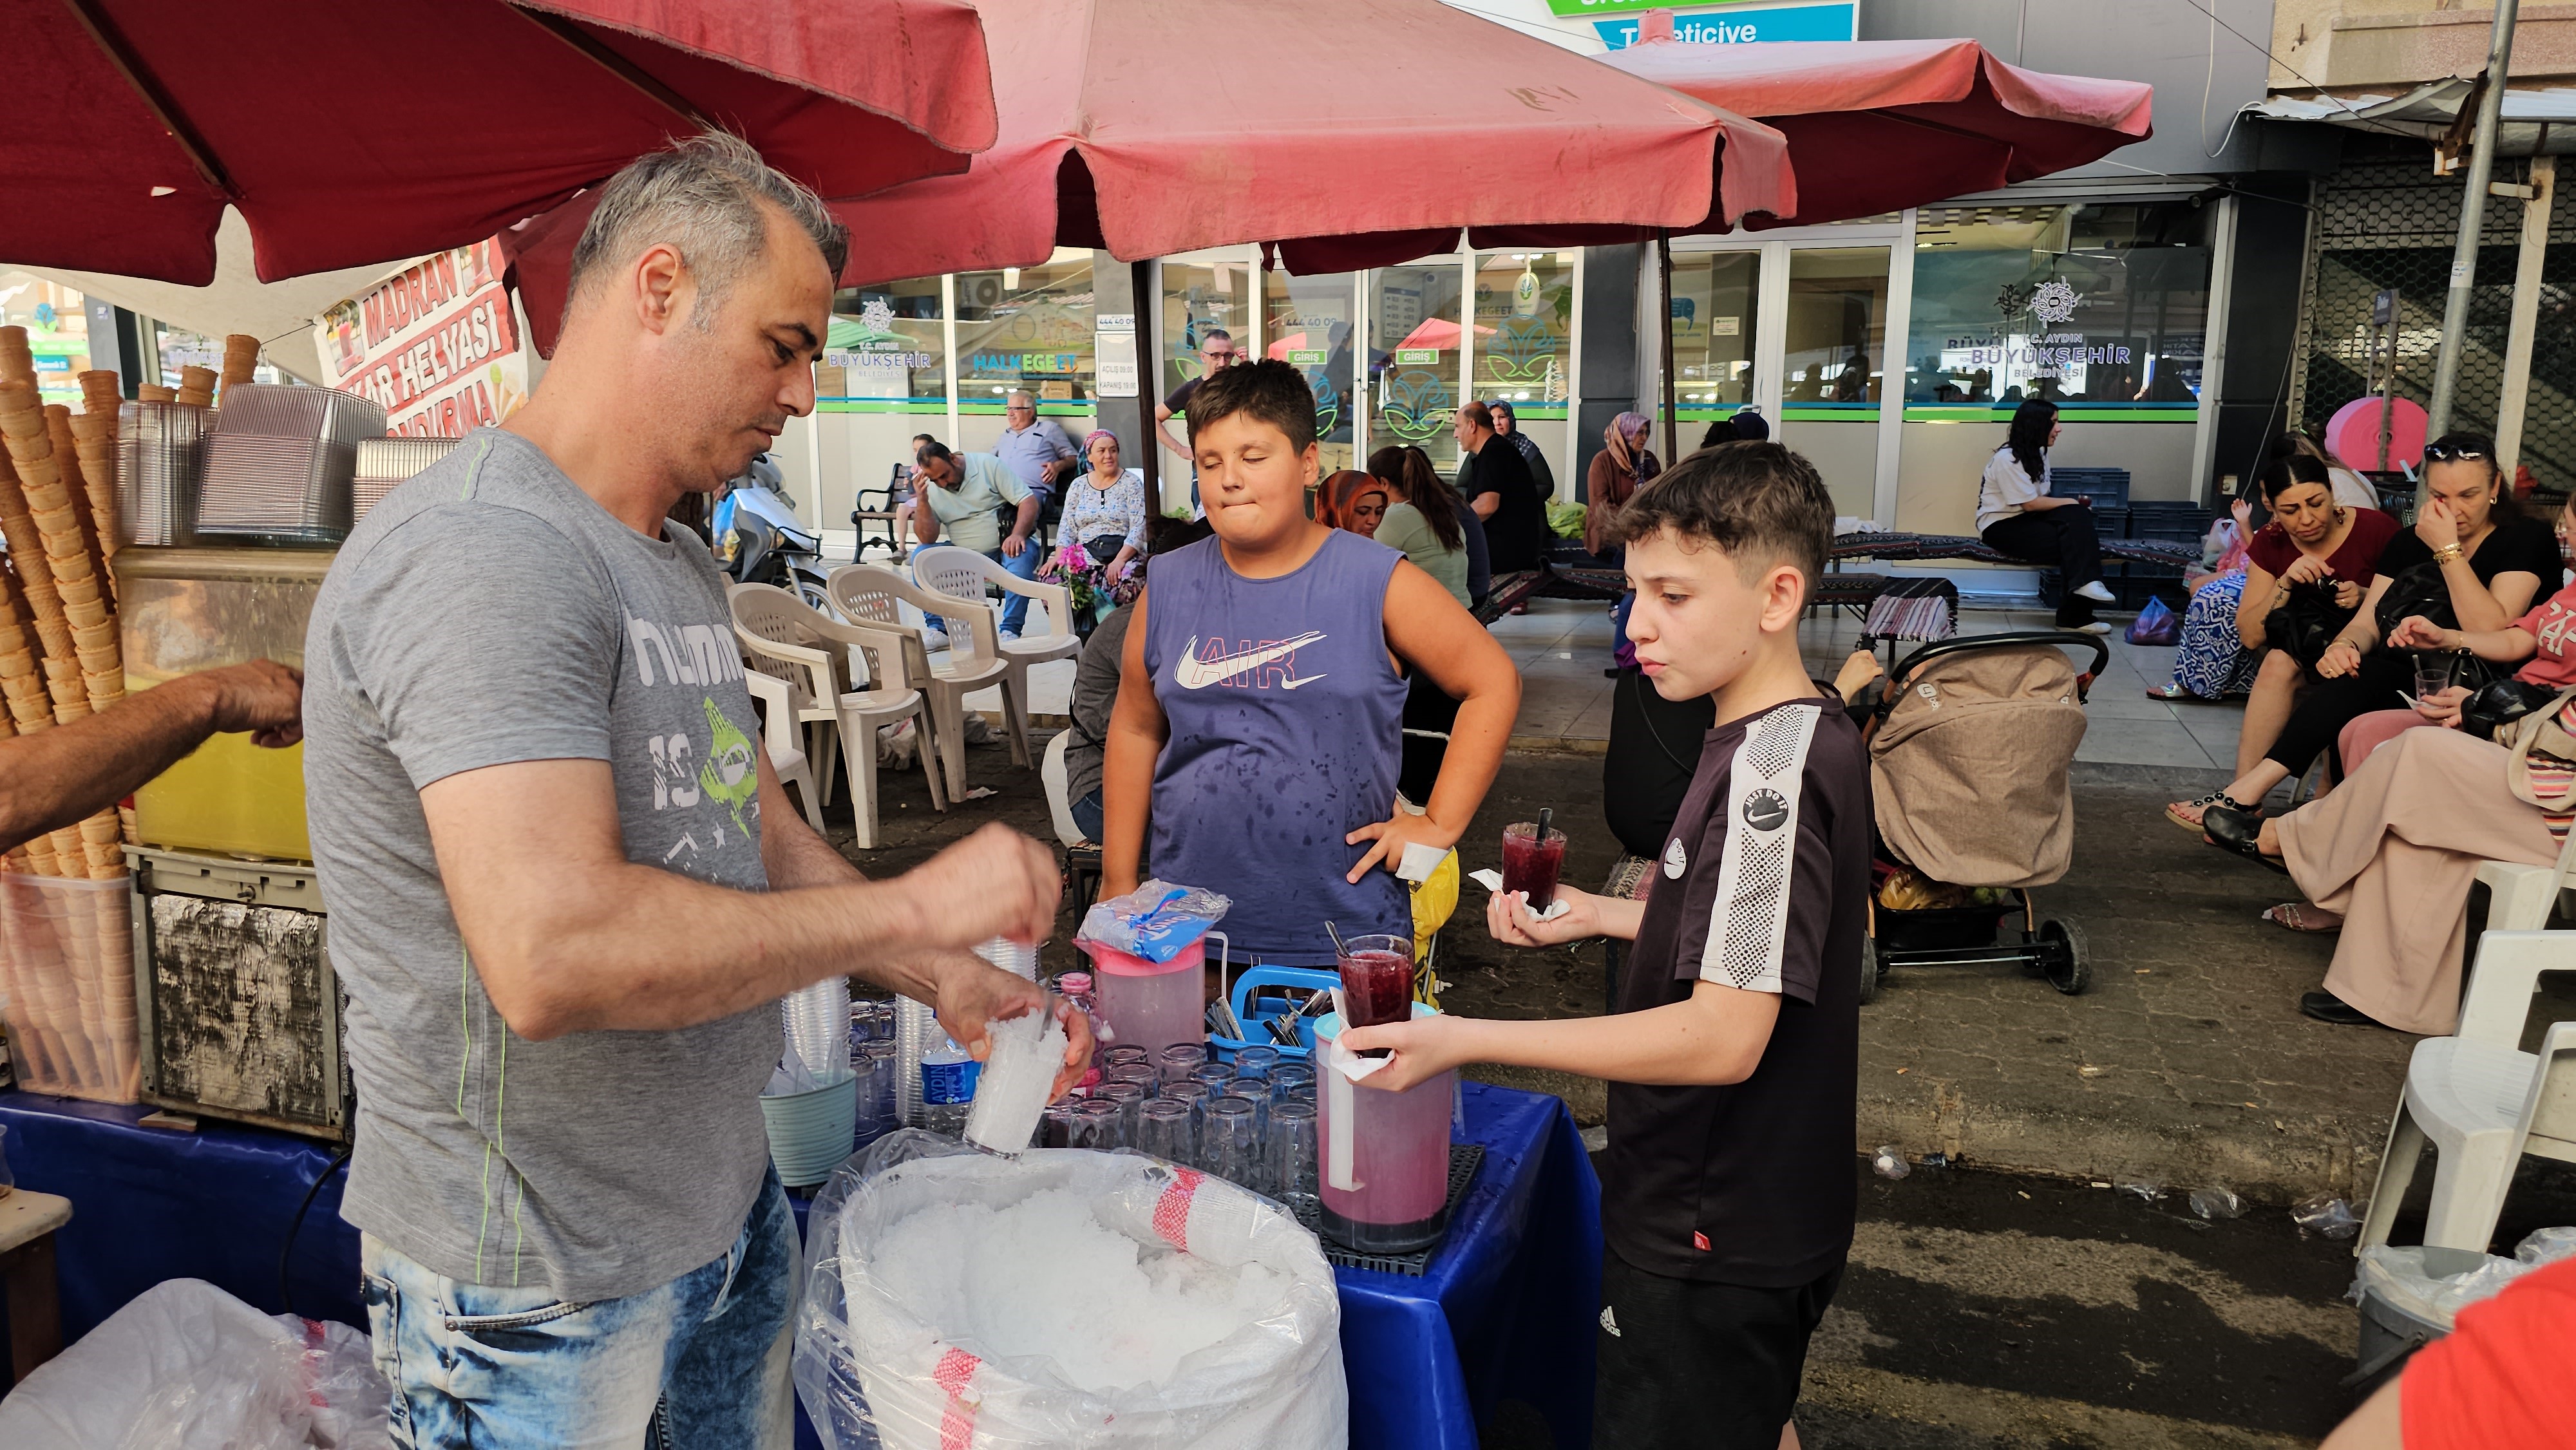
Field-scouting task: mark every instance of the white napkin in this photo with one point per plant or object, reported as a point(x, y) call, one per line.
point(1493, 881)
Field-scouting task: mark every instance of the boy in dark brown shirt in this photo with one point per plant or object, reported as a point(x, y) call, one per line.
point(1728, 1196)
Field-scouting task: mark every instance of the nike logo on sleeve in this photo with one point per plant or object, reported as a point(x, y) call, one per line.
point(1193, 673)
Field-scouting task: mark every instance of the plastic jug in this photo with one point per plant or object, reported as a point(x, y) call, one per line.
point(1151, 1004)
point(1384, 1156)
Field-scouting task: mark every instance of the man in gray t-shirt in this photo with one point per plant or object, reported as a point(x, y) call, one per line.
point(566, 892)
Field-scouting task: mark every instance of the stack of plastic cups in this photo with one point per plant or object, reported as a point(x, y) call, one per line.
point(818, 1028)
point(1011, 957)
point(916, 1034)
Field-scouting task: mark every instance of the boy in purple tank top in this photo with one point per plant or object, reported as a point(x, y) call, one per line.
point(1260, 705)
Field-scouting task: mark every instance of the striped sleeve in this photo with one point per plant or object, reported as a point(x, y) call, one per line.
point(1749, 928)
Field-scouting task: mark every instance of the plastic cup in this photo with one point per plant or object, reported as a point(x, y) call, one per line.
point(1166, 1129)
point(1178, 1060)
point(1377, 979)
point(2433, 672)
point(1530, 864)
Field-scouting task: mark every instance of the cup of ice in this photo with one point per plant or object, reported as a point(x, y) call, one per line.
point(1012, 1091)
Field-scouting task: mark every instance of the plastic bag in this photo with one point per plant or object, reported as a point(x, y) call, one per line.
point(1157, 921)
point(187, 1366)
point(2155, 624)
point(872, 1373)
point(2326, 1214)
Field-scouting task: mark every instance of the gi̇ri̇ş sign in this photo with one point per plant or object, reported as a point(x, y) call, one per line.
point(435, 344)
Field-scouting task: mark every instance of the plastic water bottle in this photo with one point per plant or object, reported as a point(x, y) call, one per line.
point(947, 1088)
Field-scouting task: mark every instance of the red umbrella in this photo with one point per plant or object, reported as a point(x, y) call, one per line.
point(1880, 125)
point(357, 133)
point(1399, 118)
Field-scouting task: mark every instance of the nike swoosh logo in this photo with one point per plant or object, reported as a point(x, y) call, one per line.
point(1300, 680)
point(1193, 673)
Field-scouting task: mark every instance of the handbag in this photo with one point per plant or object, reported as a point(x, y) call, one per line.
point(2306, 624)
point(1104, 548)
point(2548, 732)
point(2495, 706)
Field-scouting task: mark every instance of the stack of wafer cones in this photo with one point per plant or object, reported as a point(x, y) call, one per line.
point(196, 387)
point(155, 393)
point(56, 554)
point(241, 360)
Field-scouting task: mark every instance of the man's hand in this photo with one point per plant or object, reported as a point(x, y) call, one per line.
point(1424, 1048)
point(996, 882)
point(2340, 659)
point(1509, 918)
point(974, 994)
point(1015, 545)
point(1392, 836)
point(1057, 470)
point(262, 697)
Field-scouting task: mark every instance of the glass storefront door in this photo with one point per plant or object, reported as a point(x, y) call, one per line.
point(1310, 323)
point(1414, 321)
point(1833, 355)
point(1716, 317)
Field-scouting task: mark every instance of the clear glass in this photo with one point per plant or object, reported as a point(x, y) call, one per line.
point(1413, 359)
point(1167, 1129)
point(1714, 298)
point(1214, 1076)
point(1257, 1162)
point(1096, 1124)
point(1255, 1061)
point(1056, 1129)
point(1287, 1078)
point(2106, 306)
point(1179, 1060)
point(1128, 1098)
point(1121, 1056)
point(1531, 865)
point(1307, 323)
point(1377, 979)
point(1291, 1142)
point(1026, 327)
point(1229, 1140)
point(886, 342)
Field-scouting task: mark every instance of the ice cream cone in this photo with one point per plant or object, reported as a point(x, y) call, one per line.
point(16, 663)
point(23, 687)
point(155, 393)
point(101, 391)
point(94, 636)
point(87, 611)
point(98, 828)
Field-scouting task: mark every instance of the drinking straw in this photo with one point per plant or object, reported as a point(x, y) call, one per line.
point(1545, 815)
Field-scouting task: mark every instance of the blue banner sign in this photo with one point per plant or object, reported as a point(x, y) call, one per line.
point(1746, 26)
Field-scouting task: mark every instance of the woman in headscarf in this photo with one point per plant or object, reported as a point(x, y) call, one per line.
point(1351, 500)
point(1623, 466)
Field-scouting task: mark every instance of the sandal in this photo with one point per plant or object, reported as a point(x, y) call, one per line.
point(2187, 814)
point(2304, 916)
point(2170, 693)
point(2236, 830)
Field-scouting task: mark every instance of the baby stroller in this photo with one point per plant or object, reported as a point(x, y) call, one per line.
point(1968, 751)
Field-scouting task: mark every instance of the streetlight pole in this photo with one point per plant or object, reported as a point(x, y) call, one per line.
point(2473, 211)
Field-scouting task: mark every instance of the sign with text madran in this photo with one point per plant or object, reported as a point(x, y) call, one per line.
point(436, 344)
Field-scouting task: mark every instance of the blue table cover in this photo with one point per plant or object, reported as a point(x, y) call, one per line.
point(1505, 1312)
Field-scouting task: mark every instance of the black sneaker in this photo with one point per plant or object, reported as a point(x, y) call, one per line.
point(2327, 1007)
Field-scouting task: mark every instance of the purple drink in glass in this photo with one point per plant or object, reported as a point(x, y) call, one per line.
point(1531, 862)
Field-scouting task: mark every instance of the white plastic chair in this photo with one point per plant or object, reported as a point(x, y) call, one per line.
point(779, 730)
point(2479, 1100)
point(963, 574)
point(787, 640)
point(2521, 896)
point(870, 594)
point(1059, 790)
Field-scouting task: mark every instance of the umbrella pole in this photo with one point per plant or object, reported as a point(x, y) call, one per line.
point(1664, 300)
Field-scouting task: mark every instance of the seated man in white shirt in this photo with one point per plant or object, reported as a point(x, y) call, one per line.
point(965, 496)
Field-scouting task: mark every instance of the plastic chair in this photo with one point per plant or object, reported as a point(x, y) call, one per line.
point(2479, 1100)
point(871, 595)
point(779, 729)
point(1081, 854)
point(787, 640)
point(963, 573)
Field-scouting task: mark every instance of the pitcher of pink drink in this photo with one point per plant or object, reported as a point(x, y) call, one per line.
point(1383, 1157)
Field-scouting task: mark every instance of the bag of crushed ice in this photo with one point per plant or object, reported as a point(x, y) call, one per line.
point(186, 1366)
point(1061, 1298)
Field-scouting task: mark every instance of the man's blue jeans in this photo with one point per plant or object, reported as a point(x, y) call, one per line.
point(1016, 610)
point(700, 1363)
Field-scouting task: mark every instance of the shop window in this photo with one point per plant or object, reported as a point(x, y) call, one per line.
point(1201, 298)
point(1308, 323)
point(2094, 307)
point(1414, 320)
point(1524, 313)
point(1026, 328)
point(1713, 322)
point(57, 323)
point(887, 347)
point(1837, 330)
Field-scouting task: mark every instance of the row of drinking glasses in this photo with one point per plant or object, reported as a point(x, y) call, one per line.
point(1252, 1127)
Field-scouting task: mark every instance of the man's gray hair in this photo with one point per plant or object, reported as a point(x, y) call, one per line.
point(1017, 396)
point(703, 196)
